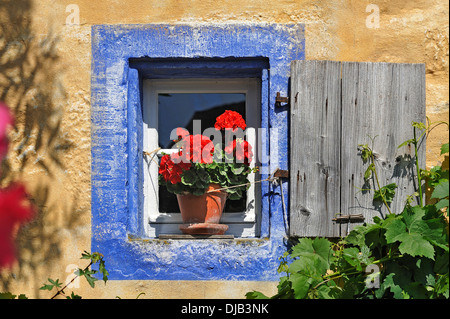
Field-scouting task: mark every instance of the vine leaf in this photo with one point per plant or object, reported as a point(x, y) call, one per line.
point(441, 190)
point(255, 295)
point(88, 275)
point(388, 192)
point(389, 283)
point(415, 245)
point(412, 231)
point(444, 148)
point(395, 229)
point(318, 250)
point(53, 284)
point(300, 285)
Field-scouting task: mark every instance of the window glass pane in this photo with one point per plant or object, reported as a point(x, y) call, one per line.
point(180, 110)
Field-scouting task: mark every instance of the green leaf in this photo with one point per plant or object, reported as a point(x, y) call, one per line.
point(357, 236)
point(423, 274)
point(189, 177)
point(53, 283)
point(406, 142)
point(414, 244)
point(390, 284)
point(91, 280)
point(436, 175)
point(237, 169)
point(369, 171)
point(442, 286)
point(88, 275)
point(96, 257)
point(300, 285)
point(255, 295)
point(103, 270)
point(441, 264)
point(395, 229)
point(419, 125)
point(413, 218)
point(444, 148)
point(7, 295)
point(442, 203)
point(73, 296)
point(324, 292)
point(441, 190)
point(203, 175)
point(364, 256)
point(86, 255)
point(46, 287)
point(318, 249)
point(388, 192)
point(412, 233)
point(351, 256)
point(366, 152)
point(284, 289)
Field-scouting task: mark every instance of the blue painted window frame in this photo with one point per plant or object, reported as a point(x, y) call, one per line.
point(123, 55)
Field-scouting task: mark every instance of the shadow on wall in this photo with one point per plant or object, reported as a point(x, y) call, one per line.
point(29, 85)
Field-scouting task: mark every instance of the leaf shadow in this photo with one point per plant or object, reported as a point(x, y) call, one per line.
point(30, 85)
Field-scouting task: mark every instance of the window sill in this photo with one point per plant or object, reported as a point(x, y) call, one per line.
point(184, 237)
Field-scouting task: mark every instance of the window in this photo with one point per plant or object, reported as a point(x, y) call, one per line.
point(188, 103)
point(124, 59)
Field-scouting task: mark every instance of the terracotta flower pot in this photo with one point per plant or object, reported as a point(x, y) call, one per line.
point(201, 214)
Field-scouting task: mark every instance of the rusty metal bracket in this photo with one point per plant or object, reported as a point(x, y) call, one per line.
point(281, 173)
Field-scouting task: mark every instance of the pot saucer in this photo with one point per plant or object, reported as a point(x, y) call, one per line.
point(204, 229)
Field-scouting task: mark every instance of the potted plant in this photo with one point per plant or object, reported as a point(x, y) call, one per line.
point(204, 175)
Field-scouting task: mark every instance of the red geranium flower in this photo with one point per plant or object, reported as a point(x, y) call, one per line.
point(230, 120)
point(15, 210)
point(241, 149)
point(181, 133)
point(170, 170)
point(198, 149)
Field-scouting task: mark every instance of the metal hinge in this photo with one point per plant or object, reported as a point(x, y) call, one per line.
point(281, 99)
point(357, 218)
point(342, 219)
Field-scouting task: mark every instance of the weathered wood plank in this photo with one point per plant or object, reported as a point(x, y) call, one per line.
point(334, 107)
point(315, 147)
point(379, 102)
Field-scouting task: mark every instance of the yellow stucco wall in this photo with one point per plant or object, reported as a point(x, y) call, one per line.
point(45, 78)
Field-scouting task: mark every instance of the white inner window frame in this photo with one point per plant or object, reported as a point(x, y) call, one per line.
point(242, 224)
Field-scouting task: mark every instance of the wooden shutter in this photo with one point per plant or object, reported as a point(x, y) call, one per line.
point(334, 107)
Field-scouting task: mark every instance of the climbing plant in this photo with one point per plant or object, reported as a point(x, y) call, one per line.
point(399, 256)
point(56, 286)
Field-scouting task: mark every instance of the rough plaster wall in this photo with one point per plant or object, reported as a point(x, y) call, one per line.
point(45, 77)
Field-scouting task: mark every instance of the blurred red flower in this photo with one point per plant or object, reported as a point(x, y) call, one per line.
point(5, 120)
point(15, 209)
